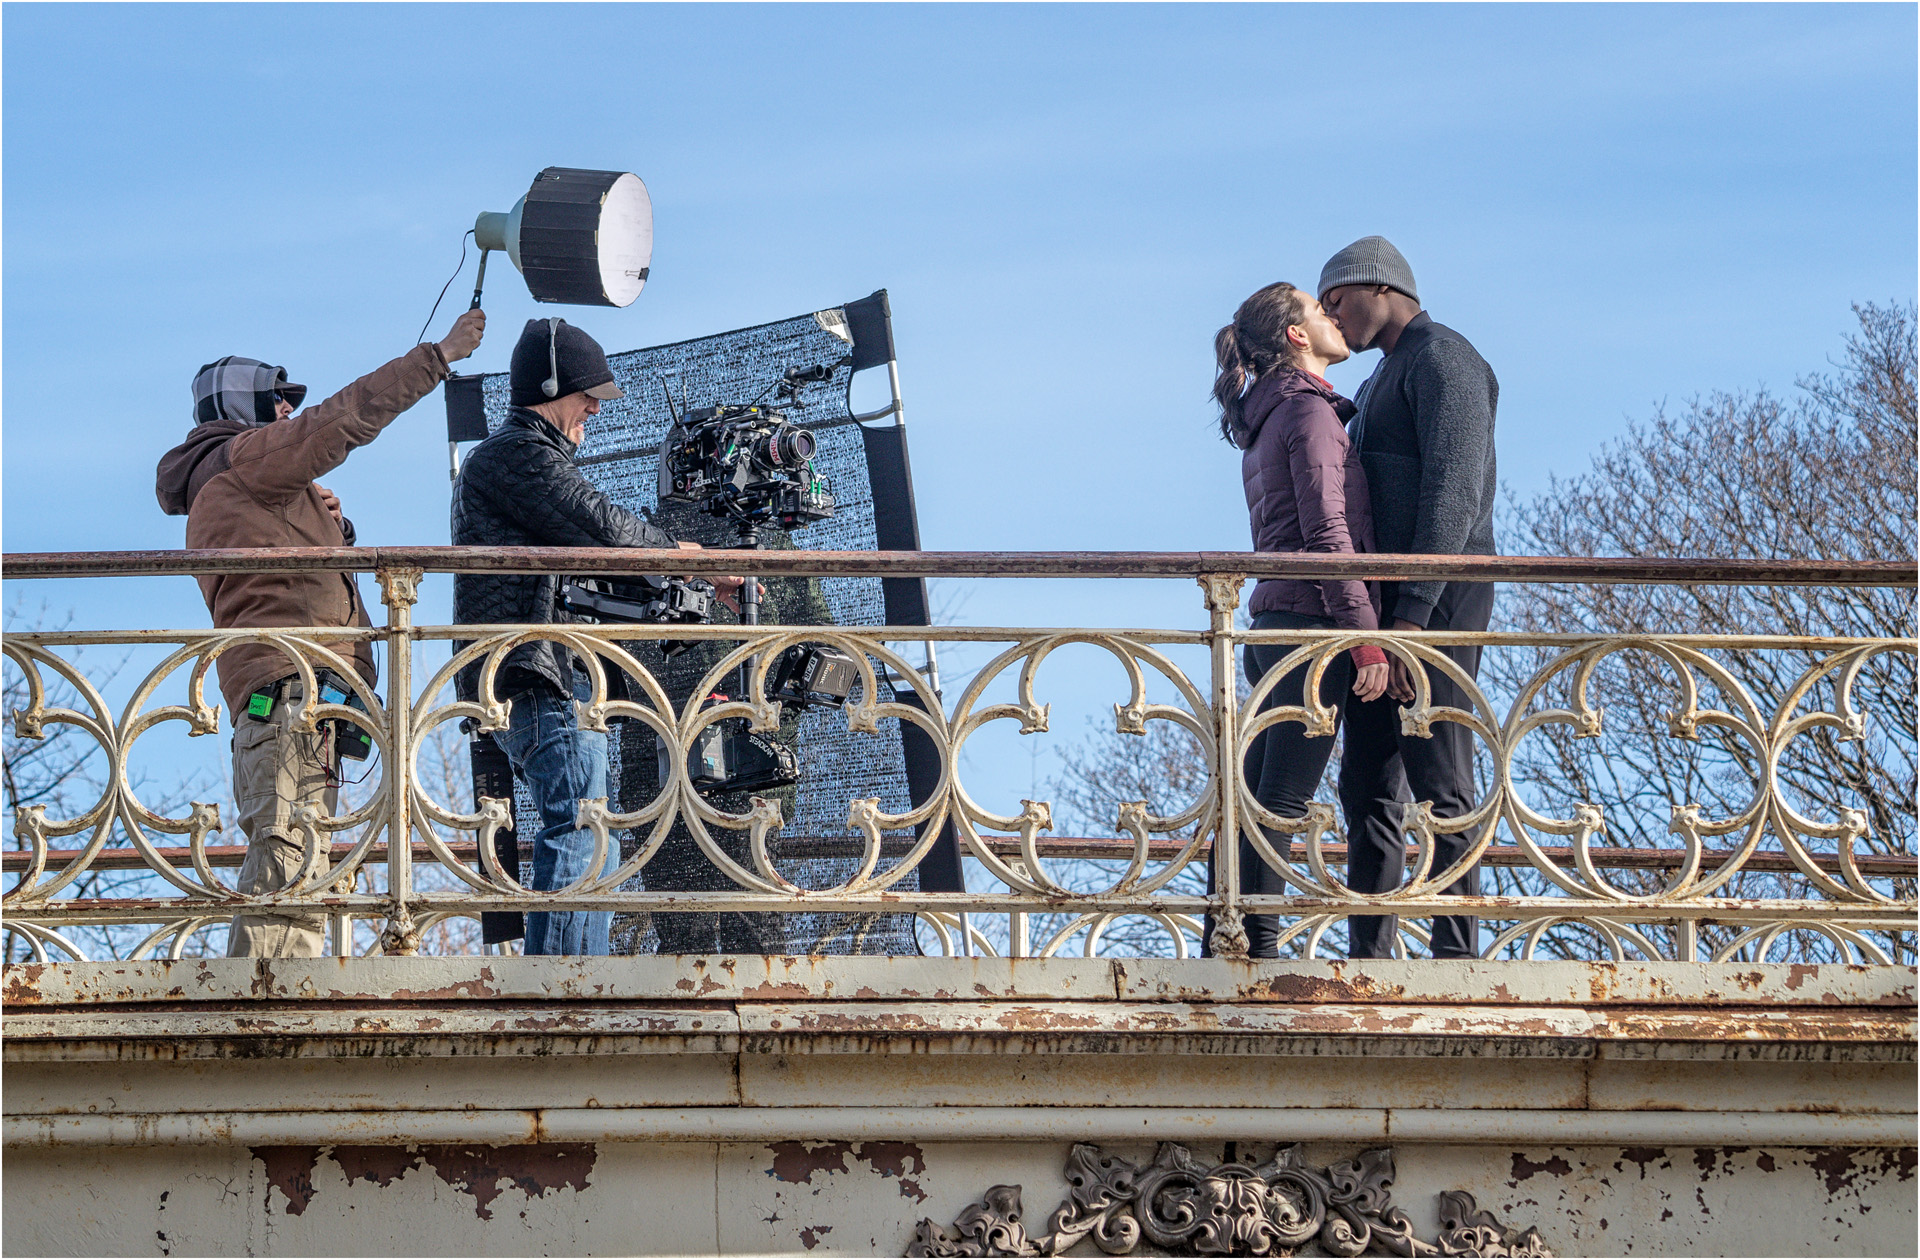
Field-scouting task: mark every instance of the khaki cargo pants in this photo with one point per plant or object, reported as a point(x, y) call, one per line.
point(275, 770)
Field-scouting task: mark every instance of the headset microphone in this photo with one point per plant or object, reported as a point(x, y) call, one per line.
point(551, 386)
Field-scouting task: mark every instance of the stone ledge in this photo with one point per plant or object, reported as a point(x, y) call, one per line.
point(389, 1126)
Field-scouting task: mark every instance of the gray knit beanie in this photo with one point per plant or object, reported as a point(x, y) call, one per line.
point(1369, 260)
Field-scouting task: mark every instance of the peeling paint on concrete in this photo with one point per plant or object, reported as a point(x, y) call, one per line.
point(381, 1165)
point(896, 1160)
point(1524, 1168)
point(1642, 1155)
point(536, 1170)
point(796, 1162)
point(290, 1170)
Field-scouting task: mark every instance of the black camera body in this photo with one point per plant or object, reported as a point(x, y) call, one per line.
point(812, 673)
point(645, 600)
point(727, 757)
point(746, 462)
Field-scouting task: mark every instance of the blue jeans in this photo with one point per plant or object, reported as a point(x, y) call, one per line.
point(561, 765)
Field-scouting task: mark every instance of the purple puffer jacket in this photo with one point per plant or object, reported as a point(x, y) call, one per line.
point(1306, 492)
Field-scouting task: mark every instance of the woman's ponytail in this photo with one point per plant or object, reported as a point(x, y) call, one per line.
point(1230, 383)
point(1253, 345)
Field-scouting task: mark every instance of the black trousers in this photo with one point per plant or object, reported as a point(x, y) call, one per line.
point(1283, 764)
point(1381, 769)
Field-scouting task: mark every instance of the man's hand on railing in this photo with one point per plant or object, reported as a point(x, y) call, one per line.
point(726, 589)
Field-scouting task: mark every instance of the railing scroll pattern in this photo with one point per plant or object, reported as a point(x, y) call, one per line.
point(1862, 906)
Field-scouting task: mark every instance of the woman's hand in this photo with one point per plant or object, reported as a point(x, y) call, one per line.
point(1370, 681)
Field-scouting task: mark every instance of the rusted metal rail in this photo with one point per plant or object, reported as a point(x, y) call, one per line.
point(613, 561)
point(1093, 848)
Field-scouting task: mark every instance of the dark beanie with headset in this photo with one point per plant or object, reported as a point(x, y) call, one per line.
point(553, 359)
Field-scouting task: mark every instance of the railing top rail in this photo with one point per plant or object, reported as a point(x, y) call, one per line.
point(613, 561)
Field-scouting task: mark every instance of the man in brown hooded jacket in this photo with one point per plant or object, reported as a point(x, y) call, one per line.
point(245, 478)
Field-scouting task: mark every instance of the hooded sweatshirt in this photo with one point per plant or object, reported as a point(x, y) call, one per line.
point(1306, 492)
point(252, 485)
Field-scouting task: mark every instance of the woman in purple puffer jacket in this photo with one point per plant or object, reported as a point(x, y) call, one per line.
point(1305, 492)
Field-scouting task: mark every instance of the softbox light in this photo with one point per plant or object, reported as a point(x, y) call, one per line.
point(583, 238)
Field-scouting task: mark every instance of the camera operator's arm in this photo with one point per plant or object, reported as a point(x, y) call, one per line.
point(276, 461)
point(561, 508)
point(558, 507)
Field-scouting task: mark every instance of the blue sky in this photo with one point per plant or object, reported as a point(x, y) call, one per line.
point(1618, 205)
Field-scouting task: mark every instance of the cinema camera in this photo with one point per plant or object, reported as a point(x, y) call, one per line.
point(748, 463)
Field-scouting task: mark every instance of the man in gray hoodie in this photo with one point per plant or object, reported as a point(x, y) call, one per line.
point(1424, 429)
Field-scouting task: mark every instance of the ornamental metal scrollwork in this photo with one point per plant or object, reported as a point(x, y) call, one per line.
point(1184, 1206)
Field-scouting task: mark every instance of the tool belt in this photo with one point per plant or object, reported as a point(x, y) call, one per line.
point(351, 741)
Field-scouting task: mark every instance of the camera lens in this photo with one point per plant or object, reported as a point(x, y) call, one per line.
point(785, 446)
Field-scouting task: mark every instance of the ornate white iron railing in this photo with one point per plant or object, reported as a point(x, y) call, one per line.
point(1861, 903)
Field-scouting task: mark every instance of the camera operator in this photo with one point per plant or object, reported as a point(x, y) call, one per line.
point(245, 478)
point(520, 488)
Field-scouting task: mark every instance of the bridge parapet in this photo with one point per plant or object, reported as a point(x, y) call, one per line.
point(756, 1104)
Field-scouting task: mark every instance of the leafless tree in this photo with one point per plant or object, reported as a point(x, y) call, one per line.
point(1828, 474)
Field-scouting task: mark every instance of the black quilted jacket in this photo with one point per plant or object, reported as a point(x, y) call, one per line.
point(519, 488)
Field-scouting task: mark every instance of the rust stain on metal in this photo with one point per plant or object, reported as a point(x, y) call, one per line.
point(796, 1162)
point(290, 1169)
point(23, 983)
point(1041, 1019)
point(1524, 1168)
point(1286, 988)
point(480, 988)
point(773, 990)
point(810, 1236)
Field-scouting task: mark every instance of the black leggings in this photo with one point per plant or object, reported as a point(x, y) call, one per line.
point(1284, 765)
